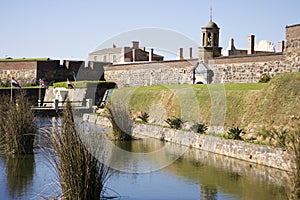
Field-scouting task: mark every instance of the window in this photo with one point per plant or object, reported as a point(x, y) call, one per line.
point(104, 58)
point(95, 58)
point(114, 58)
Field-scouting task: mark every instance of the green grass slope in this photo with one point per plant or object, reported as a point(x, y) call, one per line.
point(250, 106)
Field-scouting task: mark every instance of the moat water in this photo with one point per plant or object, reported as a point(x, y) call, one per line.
point(195, 175)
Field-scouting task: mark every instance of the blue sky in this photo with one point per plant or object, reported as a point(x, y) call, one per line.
point(70, 29)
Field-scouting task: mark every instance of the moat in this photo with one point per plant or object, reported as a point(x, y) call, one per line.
point(210, 177)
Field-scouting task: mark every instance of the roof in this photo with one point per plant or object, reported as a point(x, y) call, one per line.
point(211, 24)
point(9, 59)
point(152, 65)
point(108, 50)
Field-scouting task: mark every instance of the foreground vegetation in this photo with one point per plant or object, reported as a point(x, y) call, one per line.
point(17, 128)
point(81, 174)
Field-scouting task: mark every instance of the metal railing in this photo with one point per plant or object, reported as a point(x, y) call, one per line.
point(56, 104)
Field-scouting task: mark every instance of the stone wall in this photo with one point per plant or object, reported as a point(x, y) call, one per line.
point(24, 72)
point(149, 73)
point(263, 155)
point(234, 69)
point(27, 72)
point(251, 68)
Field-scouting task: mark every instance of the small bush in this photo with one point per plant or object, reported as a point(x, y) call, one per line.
point(266, 78)
point(235, 133)
point(277, 138)
point(144, 117)
point(175, 123)
point(200, 128)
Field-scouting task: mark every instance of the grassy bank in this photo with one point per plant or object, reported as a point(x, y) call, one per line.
point(251, 106)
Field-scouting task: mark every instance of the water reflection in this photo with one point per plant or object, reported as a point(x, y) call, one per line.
point(217, 177)
point(216, 173)
point(208, 192)
point(195, 175)
point(19, 171)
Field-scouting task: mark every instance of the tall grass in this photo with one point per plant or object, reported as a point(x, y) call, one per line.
point(17, 128)
point(81, 175)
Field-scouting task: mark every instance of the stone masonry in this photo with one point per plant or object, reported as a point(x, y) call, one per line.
point(253, 153)
point(233, 69)
point(142, 74)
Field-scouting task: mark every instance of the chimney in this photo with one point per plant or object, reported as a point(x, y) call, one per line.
point(180, 54)
point(281, 46)
point(191, 53)
point(133, 55)
point(150, 55)
point(135, 44)
point(251, 41)
point(231, 44)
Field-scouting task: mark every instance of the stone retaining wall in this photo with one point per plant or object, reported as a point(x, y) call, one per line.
point(263, 155)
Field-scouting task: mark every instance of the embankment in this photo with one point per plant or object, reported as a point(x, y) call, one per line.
point(259, 154)
point(251, 106)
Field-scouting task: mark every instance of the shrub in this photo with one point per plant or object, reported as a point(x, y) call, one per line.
point(200, 128)
point(235, 133)
point(144, 117)
point(175, 123)
point(266, 78)
point(280, 137)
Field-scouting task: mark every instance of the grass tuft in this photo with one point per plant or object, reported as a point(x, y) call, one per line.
point(81, 175)
point(17, 128)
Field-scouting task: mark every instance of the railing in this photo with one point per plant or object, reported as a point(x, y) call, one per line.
point(56, 104)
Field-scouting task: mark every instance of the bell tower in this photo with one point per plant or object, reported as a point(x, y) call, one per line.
point(210, 41)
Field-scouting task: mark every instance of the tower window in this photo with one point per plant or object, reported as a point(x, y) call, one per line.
point(209, 39)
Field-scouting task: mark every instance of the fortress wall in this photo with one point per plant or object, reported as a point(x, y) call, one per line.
point(252, 72)
point(24, 72)
point(234, 69)
point(52, 70)
point(292, 33)
point(175, 72)
point(27, 72)
point(250, 69)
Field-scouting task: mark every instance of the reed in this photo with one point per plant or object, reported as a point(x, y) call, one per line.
point(17, 127)
point(81, 175)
